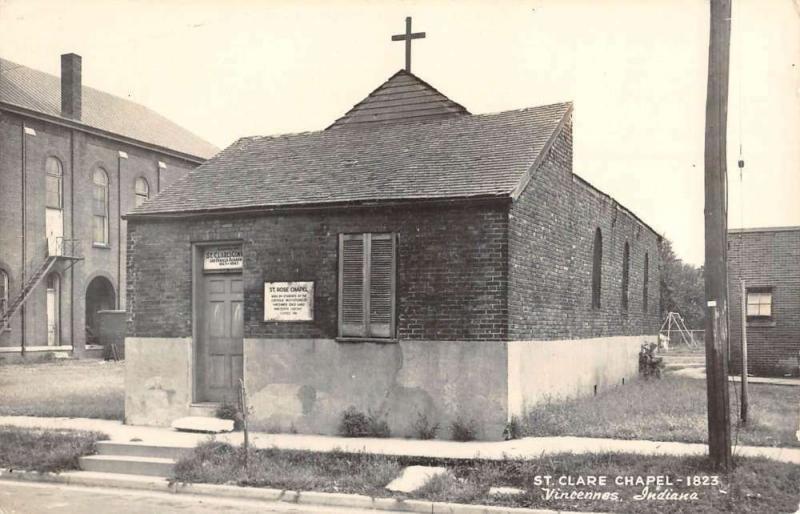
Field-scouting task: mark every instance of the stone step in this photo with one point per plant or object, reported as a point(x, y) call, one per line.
point(129, 465)
point(204, 409)
point(203, 424)
point(135, 449)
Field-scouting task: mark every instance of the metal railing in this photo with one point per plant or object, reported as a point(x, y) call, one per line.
point(62, 247)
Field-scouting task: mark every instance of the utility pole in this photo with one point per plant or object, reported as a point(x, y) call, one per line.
point(745, 401)
point(716, 236)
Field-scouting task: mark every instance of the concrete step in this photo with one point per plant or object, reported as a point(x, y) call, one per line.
point(141, 450)
point(207, 409)
point(117, 480)
point(203, 424)
point(149, 466)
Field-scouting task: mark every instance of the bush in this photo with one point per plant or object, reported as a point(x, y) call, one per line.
point(463, 430)
point(231, 411)
point(423, 429)
point(650, 366)
point(513, 429)
point(41, 450)
point(357, 424)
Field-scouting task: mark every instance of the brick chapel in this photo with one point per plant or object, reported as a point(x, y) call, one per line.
point(411, 259)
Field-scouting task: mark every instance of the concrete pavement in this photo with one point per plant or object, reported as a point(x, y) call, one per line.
point(48, 498)
point(529, 447)
point(699, 372)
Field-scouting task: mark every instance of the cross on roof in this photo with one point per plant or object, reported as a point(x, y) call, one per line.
point(407, 37)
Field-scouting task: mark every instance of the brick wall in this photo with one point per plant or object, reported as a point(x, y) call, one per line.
point(769, 258)
point(451, 282)
point(85, 152)
point(551, 235)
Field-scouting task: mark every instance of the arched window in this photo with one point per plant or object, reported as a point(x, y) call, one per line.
point(597, 268)
point(626, 268)
point(142, 190)
point(645, 284)
point(53, 310)
point(100, 207)
point(55, 179)
point(3, 291)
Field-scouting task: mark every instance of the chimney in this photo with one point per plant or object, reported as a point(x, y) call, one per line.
point(71, 86)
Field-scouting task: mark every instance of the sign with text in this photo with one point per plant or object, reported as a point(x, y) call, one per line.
point(222, 258)
point(288, 301)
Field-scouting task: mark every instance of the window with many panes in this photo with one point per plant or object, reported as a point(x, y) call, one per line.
point(55, 181)
point(142, 191)
point(367, 269)
point(100, 207)
point(759, 303)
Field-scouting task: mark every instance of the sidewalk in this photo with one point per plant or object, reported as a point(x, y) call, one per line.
point(700, 373)
point(527, 448)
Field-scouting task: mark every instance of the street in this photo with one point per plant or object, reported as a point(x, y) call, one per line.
point(40, 498)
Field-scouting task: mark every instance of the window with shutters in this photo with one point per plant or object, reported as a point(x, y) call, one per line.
point(367, 269)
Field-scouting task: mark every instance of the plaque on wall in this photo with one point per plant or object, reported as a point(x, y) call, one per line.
point(288, 301)
point(217, 258)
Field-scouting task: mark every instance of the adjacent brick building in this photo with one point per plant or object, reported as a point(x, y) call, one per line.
point(411, 260)
point(768, 260)
point(73, 161)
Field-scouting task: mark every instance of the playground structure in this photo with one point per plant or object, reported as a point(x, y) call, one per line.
point(674, 324)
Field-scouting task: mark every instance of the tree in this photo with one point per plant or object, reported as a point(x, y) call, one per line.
point(682, 287)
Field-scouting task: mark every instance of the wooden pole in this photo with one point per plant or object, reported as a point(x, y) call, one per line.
point(745, 401)
point(716, 240)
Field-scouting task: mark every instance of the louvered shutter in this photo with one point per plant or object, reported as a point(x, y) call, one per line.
point(352, 319)
point(381, 285)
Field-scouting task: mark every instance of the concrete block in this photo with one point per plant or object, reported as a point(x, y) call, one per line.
point(150, 466)
point(203, 424)
point(505, 491)
point(414, 478)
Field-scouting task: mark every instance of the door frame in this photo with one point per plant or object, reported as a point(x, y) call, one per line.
point(198, 247)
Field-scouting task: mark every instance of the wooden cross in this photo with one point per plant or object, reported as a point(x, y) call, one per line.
point(407, 37)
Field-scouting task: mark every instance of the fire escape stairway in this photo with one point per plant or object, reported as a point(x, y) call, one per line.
point(19, 300)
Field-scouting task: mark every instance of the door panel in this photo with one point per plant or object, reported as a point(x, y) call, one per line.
point(220, 344)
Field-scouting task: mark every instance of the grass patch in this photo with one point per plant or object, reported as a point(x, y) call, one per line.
point(220, 463)
point(45, 450)
point(65, 388)
point(757, 485)
point(670, 409)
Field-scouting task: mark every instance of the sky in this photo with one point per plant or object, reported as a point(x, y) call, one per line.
point(636, 72)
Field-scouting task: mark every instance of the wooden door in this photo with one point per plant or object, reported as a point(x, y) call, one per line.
point(220, 349)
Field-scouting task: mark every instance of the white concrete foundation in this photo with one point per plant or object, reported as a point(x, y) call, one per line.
point(539, 371)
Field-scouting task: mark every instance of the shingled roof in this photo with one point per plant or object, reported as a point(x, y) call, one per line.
point(467, 156)
point(41, 92)
point(404, 97)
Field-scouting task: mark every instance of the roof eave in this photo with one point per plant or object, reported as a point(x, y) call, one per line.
point(363, 204)
point(83, 127)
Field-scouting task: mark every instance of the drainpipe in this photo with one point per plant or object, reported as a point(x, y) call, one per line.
point(23, 218)
point(122, 155)
point(72, 239)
